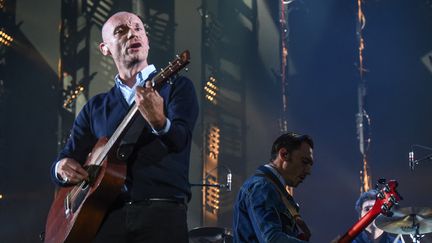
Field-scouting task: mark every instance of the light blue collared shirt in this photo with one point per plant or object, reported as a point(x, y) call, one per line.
point(129, 93)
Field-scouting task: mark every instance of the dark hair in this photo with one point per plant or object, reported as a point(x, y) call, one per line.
point(290, 141)
point(365, 196)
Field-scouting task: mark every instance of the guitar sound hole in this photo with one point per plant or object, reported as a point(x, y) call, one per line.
point(79, 198)
point(93, 171)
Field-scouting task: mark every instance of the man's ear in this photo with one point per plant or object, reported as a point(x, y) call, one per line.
point(104, 49)
point(283, 153)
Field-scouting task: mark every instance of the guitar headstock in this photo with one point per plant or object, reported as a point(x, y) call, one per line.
point(387, 197)
point(173, 68)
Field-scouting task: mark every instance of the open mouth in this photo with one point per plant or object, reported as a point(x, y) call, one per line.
point(135, 45)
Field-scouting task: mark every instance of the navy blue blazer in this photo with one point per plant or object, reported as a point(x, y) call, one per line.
point(159, 164)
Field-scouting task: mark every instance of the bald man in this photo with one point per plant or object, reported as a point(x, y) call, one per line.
point(152, 204)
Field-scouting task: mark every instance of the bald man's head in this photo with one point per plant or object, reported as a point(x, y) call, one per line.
point(106, 26)
point(124, 38)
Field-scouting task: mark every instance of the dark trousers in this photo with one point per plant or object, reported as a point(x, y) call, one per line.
point(158, 222)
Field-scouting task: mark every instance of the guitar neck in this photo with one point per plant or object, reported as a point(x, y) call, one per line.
point(118, 132)
point(358, 227)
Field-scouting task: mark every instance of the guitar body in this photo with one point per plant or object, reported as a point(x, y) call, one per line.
point(77, 211)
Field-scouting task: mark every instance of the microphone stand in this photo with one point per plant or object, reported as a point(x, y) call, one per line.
point(217, 185)
point(210, 185)
point(227, 186)
point(415, 162)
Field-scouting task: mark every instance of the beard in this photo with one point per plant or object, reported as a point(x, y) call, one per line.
point(135, 60)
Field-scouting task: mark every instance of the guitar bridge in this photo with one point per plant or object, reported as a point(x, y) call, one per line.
point(67, 206)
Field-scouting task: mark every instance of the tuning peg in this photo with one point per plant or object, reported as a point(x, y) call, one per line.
point(386, 188)
point(393, 200)
point(380, 195)
point(382, 181)
point(384, 208)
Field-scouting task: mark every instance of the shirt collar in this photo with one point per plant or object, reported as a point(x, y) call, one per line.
point(140, 78)
point(277, 174)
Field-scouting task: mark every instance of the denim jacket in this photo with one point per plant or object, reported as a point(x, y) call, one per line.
point(259, 213)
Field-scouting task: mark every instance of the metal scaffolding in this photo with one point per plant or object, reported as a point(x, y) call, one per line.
point(73, 66)
point(159, 19)
point(7, 30)
point(223, 75)
point(77, 19)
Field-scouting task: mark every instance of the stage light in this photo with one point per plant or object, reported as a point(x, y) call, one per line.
point(5, 39)
point(213, 142)
point(211, 90)
point(211, 195)
point(72, 95)
point(212, 198)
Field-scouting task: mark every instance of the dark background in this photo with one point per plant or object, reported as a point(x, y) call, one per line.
point(324, 101)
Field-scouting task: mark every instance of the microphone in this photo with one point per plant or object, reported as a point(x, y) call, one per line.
point(411, 160)
point(229, 181)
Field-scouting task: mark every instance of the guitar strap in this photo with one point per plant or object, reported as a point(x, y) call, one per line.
point(129, 139)
point(305, 233)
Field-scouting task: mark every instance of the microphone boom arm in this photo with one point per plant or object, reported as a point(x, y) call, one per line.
point(416, 161)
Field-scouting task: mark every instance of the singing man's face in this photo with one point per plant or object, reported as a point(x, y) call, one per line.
point(125, 39)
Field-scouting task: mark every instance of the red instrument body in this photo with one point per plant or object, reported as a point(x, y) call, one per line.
point(77, 211)
point(387, 197)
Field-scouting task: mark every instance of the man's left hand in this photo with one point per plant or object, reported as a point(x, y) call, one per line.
point(150, 105)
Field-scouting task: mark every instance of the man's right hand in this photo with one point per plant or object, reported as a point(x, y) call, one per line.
point(71, 171)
